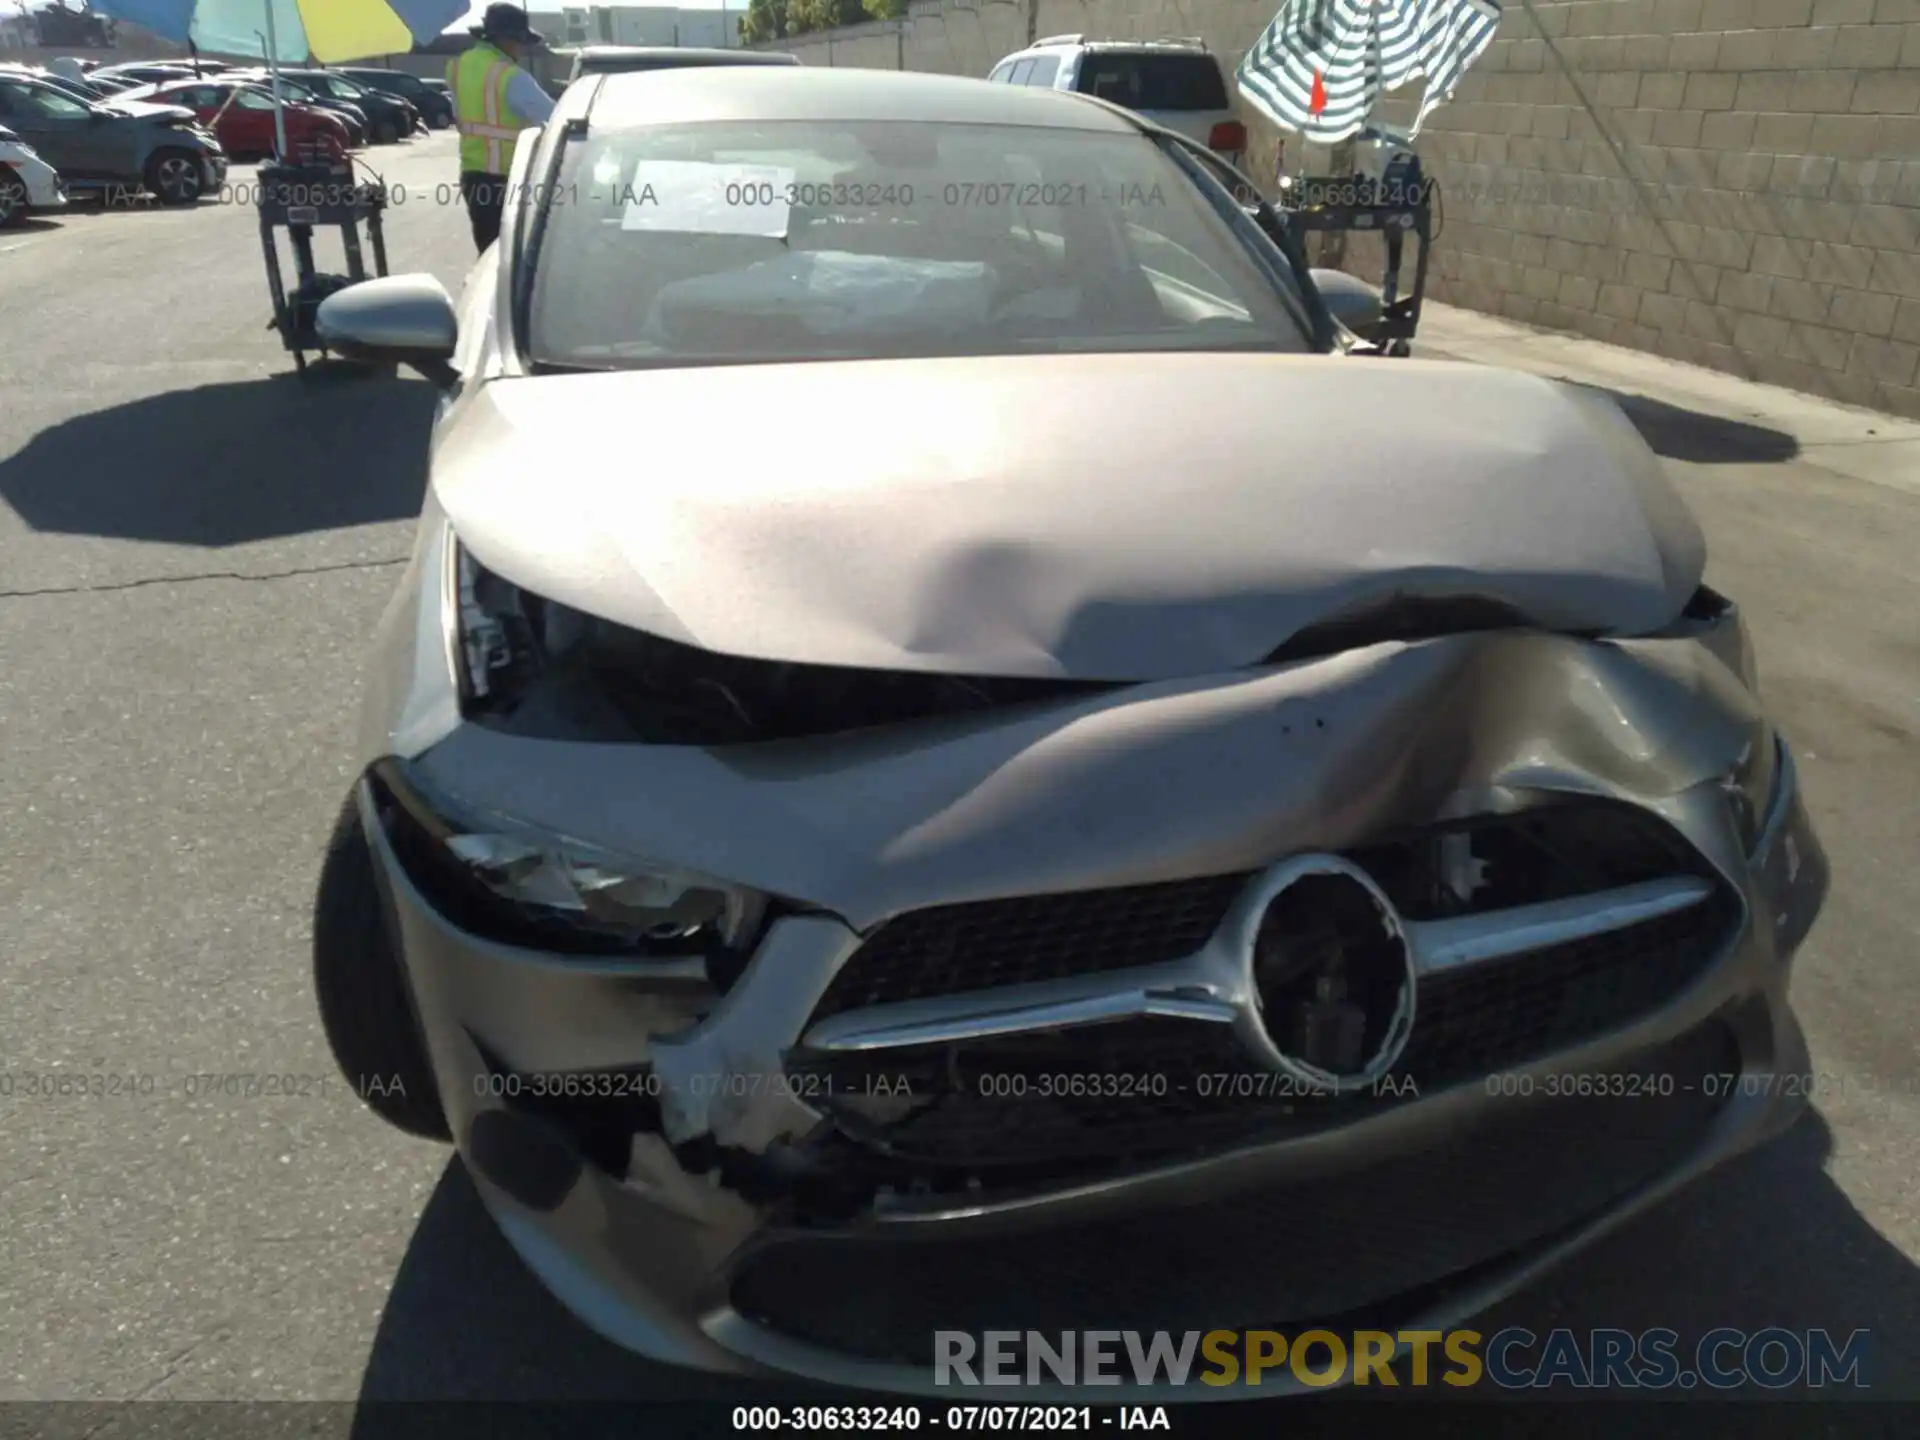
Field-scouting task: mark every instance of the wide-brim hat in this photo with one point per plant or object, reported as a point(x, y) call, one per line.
point(507, 22)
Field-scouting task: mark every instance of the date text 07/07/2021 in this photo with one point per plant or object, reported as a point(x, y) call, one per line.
point(956, 1419)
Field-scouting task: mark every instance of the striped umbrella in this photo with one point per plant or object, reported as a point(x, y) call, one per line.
point(1322, 65)
point(291, 31)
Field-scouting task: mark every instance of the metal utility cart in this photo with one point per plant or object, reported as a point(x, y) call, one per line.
point(300, 197)
point(1395, 205)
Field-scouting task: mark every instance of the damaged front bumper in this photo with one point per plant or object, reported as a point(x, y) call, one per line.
point(715, 1170)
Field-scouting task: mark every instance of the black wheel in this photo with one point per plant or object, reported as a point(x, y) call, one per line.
point(365, 1007)
point(385, 132)
point(174, 177)
point(13, 200)
point(1399, 350)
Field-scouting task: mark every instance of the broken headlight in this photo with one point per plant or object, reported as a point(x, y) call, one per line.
point(1749, 785)
point(519, 885)
point(497, 629)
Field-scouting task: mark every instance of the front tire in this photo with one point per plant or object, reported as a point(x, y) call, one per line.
point(365, 1007)
point(13, 201)
point(174, 177)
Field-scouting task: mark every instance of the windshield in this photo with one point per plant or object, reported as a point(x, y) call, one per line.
point(741, 242)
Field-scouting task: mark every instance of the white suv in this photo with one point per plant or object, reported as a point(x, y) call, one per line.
point(1175, 83)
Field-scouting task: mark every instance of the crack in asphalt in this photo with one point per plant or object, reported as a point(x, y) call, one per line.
point(153, 580)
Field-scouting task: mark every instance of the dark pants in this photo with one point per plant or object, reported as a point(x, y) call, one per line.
point(483, 195)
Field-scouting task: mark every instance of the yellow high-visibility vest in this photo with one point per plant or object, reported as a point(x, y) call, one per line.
point(488, 125)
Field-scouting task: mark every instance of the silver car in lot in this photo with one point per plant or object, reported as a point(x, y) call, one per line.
point(952, 756)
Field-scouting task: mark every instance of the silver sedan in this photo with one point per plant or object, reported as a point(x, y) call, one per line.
point(954, 754)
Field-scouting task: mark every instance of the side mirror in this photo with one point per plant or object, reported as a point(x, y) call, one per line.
point(397, 319)
point(1353, 302)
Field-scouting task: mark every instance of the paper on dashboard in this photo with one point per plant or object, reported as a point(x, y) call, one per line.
point(691, 197)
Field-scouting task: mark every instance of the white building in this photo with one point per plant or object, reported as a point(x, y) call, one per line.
point(648, 25)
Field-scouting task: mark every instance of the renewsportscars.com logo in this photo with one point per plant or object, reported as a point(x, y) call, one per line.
point(1513, 1359)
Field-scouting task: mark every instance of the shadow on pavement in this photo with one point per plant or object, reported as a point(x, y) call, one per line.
point(466, 1320)
point(226, 464)
point(1769, 1241)
point(1700, 439)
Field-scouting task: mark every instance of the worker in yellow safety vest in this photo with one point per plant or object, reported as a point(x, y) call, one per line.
point(494, 99)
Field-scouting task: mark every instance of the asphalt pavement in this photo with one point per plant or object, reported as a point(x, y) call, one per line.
point(194, 548)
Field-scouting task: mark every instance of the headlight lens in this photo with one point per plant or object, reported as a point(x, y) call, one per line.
point(520, 885)
point(1750, 783)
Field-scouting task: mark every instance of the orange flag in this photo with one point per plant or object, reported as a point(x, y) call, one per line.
point(1317, 102)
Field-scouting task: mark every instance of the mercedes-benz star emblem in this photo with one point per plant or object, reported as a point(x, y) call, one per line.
point(1330, 975)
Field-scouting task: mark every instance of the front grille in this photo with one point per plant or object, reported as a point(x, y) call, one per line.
point(997, 1103)
point(1343, 1251)
point(953, 949)
point(1153, 1088)
point(1572, 848)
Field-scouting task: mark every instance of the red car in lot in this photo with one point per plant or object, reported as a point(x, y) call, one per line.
point(241, 117)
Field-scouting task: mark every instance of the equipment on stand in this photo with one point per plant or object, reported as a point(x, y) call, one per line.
point(1391, 195)
point(300, 197)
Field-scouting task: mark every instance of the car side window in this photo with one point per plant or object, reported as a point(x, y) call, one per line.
point(1020, 73)
point(53, 105)
point(1045, 68)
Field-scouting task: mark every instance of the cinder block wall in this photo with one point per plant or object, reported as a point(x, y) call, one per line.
point(1734, 183)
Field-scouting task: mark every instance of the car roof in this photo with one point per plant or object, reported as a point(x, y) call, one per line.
point(681, 55)
point(1168, 46)
point(801, 92)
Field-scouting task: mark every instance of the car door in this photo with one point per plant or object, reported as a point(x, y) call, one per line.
point(203, 100)
point(249, 119)
point(75, 140)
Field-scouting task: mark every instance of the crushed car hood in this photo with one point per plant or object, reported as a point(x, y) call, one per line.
point(1107, 517)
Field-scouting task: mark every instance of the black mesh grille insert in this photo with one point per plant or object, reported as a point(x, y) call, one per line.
point(956, 948)
point(1309, 1253)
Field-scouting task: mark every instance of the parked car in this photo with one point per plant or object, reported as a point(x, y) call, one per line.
point(390, 118)
point(627, 59)
point(435, 107)
point(27, 182)
point(240, 114)
point(738, 856)
point(130, 145)
point(1176, 83)
point(349, 113)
